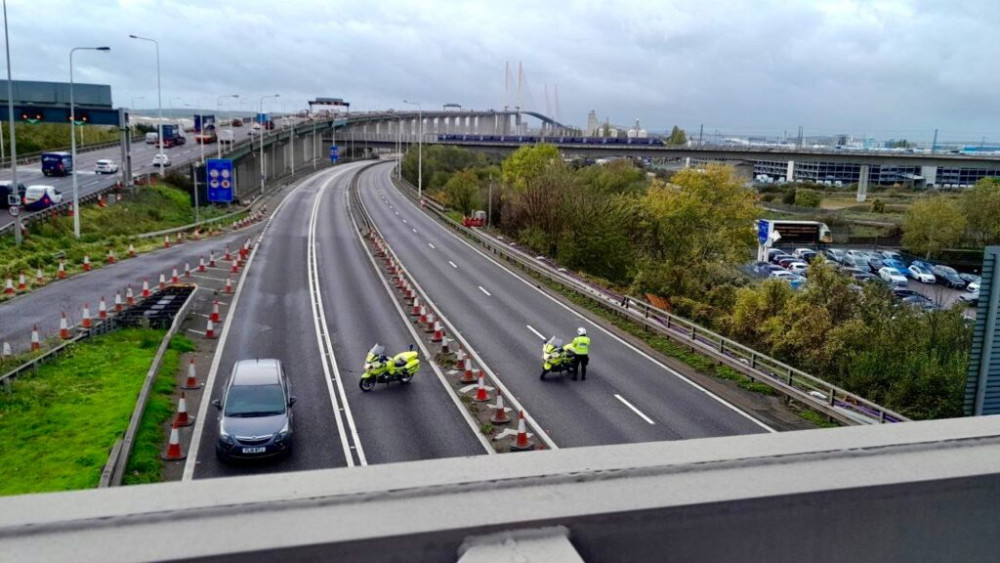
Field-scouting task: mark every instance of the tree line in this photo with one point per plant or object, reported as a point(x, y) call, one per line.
point(683, 240)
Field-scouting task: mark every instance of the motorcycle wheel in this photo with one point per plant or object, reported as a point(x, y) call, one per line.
point(406, 378)
point(542, 377)
point(367, 384)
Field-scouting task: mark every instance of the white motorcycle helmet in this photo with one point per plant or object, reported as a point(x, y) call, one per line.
point(581, 331)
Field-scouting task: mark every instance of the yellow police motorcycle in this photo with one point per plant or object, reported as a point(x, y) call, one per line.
point(557, 358)
point(381, 369)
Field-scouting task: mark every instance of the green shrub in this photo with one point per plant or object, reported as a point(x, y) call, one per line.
point(808, 198)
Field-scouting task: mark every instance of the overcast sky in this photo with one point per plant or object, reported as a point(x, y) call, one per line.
point(884, 69)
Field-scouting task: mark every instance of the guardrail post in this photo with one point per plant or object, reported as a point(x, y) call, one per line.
point(789, 377)
point(694, 333)
point(722, 346)
point(832, 397)
point(753, 360)
point(669, 320)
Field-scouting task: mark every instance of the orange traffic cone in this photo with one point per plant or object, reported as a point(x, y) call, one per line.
point(86, 262)
point(211, 259)
point(111, 256)
point(118, 302)
point(174, 452)
point(215, 311)
point(229, 285)
point(163, 282)
point(438, 332)
point(446, 346)
point(192, 379)
point(145, 288)
point(180, 237)
point(85, 323)
point(468, 376)
point(166, 241)
point(499, 415)
point(22, 284)
point(62, 270)
point(187, 271)
point(174, 278)
point(522, 443)
point(64, 327)
point(102, 309)
point(39, 277)
point(227, 256)
point(129, 298)
point(482, 395)
point(201, 264)
point(9, 288)
point(35, 342)
point(131, 250)
point(210, 330)
point(415, 311)
point(430, 323)
point(182, 412)
point(236, 267)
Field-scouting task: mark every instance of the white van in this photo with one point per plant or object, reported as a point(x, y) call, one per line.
point(151, 138)
point(39, 197)
point(225, 136)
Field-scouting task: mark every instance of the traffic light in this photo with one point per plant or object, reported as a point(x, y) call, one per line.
point(31, 115)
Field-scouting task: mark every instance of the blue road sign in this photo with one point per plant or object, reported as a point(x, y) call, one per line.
point(763, 231)
point(334, 153)
point(220, 178)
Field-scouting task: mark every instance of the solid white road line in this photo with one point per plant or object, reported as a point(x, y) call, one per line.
point(453, 265)
point(484, 291)
point(635, 410)
point(192, 460)
point(327, 356)
point(606, 332)
point(538, 334)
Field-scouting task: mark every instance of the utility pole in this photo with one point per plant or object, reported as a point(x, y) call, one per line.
point(934, 142)
point(701, 134)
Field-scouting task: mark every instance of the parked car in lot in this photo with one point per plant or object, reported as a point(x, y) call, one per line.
point(891, 255)
point(922, 275)
point(785, 262)
point(857, 258)
point(835, 254)
point(925, 265)
point(921, 302)
point(798, 267)
point(903, 292)
point(892, 277)
point(972, 281)
point(39, 197)
point(105, 166)
point(897, 265)
point(875, 264)
point(794, 280)
point(256, 412)
point(969, 297)
point(862, 277)
point(159, 159)
point(948, 276)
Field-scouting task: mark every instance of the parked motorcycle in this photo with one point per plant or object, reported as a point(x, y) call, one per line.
point(381, 369)
point(556, 358)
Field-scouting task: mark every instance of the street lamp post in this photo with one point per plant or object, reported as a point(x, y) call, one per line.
point(420, 150)
point(72, 136)
point(218, 109)
point(159, 99)
point(13, 132)
point(261, 135)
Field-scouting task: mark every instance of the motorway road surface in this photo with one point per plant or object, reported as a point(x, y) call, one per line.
point(43, 306)
point(628, 397)
point(275, 317)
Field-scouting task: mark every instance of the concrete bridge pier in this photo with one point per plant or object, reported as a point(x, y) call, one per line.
point(863, 183)
point(790, 173)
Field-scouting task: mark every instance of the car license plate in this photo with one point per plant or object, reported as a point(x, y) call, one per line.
point(258, 450)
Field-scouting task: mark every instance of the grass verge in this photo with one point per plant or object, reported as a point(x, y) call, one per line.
point(145, 465)
point(59, 425)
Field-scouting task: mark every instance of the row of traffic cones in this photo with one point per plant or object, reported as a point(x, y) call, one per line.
point(468, 375)
point(250, 218)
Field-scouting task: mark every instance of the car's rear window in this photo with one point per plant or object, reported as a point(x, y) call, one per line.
point(255, 400)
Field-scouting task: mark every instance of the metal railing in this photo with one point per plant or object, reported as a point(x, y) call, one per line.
point(829, 399)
